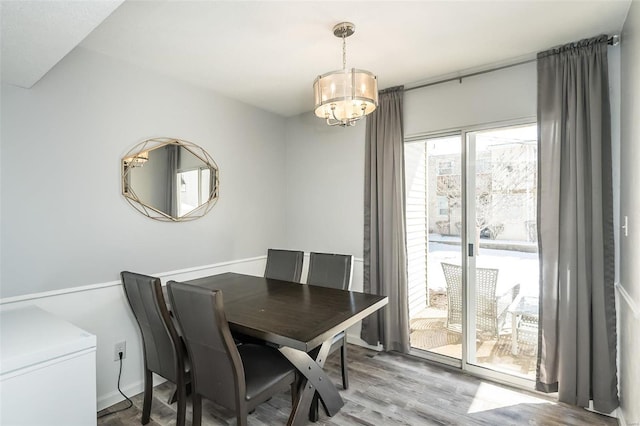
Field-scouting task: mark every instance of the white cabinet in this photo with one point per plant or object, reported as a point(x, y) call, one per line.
point(47, 370)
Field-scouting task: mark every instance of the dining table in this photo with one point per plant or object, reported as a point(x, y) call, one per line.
point(298, 319)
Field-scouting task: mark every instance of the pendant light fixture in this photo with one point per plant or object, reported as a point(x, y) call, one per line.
point(345, 96)
point(137, 160)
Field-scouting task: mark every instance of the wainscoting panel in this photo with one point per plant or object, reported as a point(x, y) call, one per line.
point(628, 350)
point(102, 309)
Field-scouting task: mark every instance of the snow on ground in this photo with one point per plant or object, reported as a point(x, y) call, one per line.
point(514, 266)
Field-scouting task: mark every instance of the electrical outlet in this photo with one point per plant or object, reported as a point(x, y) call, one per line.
point(120, 347)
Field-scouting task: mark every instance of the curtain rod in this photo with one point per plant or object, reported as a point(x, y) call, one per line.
point(613, 40)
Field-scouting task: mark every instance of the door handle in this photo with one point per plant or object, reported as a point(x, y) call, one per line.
point(470, 249)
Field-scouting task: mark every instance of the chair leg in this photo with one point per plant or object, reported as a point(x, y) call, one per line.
point(294, 392)
point(344, 364)
point(241, 415)
point(197, 409)
point(174, 396)
point(182, 403)
point(148, 389)
point(314, 415)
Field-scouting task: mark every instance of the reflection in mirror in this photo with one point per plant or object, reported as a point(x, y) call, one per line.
point(170, 179)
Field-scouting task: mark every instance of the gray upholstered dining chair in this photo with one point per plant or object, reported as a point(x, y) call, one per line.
point(163, 349)
point(284, 265)
point(335, 271)
point(236, 377)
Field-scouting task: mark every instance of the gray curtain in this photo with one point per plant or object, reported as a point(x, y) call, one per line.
point(173, 159)
point(385, 252)
point(577, 334)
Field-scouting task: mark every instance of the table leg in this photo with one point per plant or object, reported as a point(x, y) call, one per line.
point(315, 380)
point(514, 333)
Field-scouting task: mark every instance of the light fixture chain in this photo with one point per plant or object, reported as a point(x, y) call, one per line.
point(344, 51)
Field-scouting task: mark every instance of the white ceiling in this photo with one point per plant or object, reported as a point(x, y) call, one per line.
point(37, 34)
point(267, 53)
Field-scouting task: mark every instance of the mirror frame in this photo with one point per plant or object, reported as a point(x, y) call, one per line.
point(140, 153)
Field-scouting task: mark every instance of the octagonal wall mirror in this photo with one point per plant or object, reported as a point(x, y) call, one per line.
point(170, 179)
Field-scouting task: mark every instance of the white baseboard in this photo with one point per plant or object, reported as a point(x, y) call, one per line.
point(132, 389)
point(615, 413)
point(358, 341)
point(114, 397)
point(620, 416)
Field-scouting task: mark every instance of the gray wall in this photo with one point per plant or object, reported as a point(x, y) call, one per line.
point(325, 165)
point(503, 95)
point(148, 182)
point(629, 300)
point(325, 184)
point(64, 221)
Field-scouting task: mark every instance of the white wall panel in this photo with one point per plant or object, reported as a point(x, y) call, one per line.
point(102, 309)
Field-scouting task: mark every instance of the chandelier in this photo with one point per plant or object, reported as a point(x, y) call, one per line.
point(345, 96)
point(137, 160)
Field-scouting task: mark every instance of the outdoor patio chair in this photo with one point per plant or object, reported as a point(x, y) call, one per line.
point(491, 308)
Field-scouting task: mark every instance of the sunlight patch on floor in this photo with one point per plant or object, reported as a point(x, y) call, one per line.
point(492, 397)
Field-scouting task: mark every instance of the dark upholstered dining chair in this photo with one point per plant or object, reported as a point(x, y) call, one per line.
point(335, 271)
point(285, 265)
point(164, 352)
point(236, 377)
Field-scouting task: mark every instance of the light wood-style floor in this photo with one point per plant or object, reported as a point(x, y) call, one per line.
point(389, 389)
point(428, 332)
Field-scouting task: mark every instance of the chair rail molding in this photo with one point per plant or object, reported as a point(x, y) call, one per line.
point(175, 275)
point(102, 310)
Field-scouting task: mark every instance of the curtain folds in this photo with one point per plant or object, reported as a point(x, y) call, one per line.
point(577, 335)
point(173, 159)
point(385, 253)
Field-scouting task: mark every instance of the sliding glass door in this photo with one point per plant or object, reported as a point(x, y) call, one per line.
point(471, 237)
point(434, 238)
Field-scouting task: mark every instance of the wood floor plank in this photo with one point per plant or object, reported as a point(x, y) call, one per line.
point(388, 389)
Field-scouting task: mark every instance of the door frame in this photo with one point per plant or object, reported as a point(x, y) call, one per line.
point(468, 271)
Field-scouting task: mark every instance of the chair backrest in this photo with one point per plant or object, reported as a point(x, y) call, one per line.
point(163, 353)
point(330, 270)
point(284, 265)
point(486, 305)
point(453, 278)
point(486, 300)
point(216, 365)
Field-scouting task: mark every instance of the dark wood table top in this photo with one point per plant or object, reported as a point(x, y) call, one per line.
point(284, 313)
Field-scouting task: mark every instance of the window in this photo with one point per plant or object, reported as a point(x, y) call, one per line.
point(443, 206)
point(483, 165)
point(445, 167)
point(194, 188)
